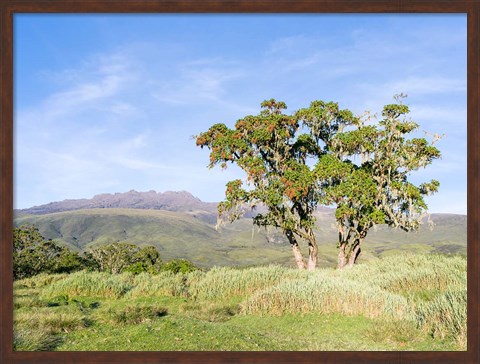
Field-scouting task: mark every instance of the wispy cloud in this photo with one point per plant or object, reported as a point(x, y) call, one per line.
point(197, 81)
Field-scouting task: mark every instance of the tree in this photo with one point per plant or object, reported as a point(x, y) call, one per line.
point(375, 190)
point(179, 266)
point(119, 257)
point(33, 254)
point(147, 259)
point(273, 150)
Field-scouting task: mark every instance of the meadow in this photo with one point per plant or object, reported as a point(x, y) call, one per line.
point(398, 302)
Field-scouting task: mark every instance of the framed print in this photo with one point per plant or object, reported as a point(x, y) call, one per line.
point(248, 181)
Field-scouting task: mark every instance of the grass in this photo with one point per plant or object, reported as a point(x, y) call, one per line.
point(411, 302)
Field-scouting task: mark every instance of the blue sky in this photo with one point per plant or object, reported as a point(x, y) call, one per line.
point(108, 103)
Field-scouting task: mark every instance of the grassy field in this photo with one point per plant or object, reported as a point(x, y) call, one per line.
point(402, 302)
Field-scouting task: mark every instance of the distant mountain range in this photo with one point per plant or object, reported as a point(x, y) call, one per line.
point(151, 200)
point(180, 225)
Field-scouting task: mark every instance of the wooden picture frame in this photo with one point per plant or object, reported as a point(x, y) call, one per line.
point(10, 7)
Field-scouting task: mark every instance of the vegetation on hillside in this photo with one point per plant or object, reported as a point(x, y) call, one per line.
point(33, 255)
point(238, 244)
point(419, 305)
point(296, 162)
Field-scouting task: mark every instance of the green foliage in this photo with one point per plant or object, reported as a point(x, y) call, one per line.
point(267, 147)
point(122, 257)
point(374, 190)
point(33, 254)
point(365, 174)
point(179, 266)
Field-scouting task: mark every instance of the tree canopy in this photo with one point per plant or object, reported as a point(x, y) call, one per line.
point(366, 176)
point(273, 149)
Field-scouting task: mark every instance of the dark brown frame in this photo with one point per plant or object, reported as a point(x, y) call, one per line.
point(9, 7)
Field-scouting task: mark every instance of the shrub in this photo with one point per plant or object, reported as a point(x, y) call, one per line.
point(122, 257)
point(179, 266)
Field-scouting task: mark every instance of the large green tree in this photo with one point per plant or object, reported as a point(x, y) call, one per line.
point(276, 152)
point(366, 175)
point(324, 155)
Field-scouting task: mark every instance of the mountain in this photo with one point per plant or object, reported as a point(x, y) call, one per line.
point(151, 200)
point(182, 226)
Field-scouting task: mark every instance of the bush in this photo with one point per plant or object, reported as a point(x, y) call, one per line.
point(122, 257)
point(411, 273)
point(179, 266)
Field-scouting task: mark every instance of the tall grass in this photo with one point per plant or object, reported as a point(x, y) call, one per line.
point(28, 339)
point(135, 314)
point(411, 272)
point(93, 284)
point(427, 292)
point(39, 330)
point(224, 282)
point(163, 284)
point(324, 294)
point(40, 280)
point(446, 316)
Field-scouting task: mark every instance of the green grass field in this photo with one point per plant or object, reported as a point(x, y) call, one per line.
point(400, 302)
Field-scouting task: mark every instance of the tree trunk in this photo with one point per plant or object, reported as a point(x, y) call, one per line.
point(312, 256)
point(312, 251)
point(298, 256)
point(296, 250)
point(354, 253)
point(342, 257)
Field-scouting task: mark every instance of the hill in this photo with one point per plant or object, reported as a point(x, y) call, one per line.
point(192, 235)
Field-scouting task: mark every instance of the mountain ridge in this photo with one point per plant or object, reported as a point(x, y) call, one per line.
point(151, 200)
